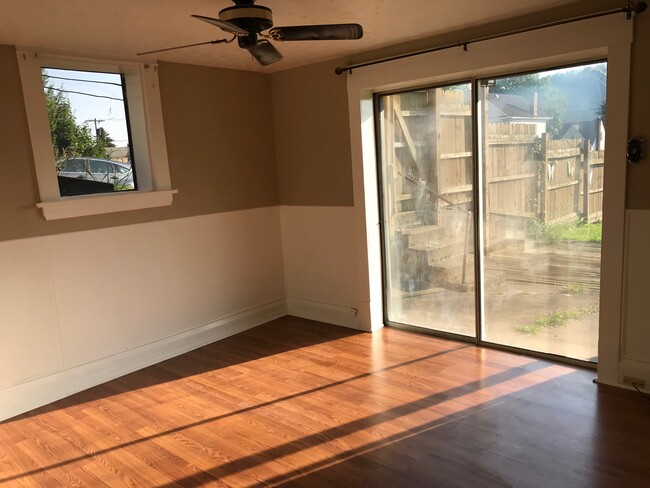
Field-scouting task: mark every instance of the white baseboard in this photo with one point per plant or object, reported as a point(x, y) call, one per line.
point(323, 312)
point(41, 391)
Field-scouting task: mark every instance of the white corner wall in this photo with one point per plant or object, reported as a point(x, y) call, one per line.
point(635, 336)
point(320, 263)
point(79, 309)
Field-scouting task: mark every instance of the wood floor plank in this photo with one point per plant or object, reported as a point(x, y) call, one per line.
point(300, 403)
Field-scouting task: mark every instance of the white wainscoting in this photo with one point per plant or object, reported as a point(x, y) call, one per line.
point(320, 263)
point(635, 337)
point(82, 308)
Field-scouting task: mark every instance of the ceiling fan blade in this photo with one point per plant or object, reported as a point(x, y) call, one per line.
point(328, 32)
point(216, 41)
point(227, 26)
point(265, 53)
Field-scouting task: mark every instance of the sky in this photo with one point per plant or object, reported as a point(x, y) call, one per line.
point(109, 112)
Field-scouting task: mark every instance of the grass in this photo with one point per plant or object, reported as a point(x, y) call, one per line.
point(555, 319)
point(574, 232)
point(575, 289)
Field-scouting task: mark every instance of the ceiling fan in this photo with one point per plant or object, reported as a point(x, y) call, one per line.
point(247, 22)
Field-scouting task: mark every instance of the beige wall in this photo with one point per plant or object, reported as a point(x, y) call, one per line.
point(300, 115)
point(18, 189)
point(312, 136)
point(220, 141)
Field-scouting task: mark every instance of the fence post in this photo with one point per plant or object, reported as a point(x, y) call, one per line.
point(541, 182)
point(585, 181)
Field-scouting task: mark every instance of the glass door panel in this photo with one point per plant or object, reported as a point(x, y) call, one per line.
point(426, 159)
point(542, 161)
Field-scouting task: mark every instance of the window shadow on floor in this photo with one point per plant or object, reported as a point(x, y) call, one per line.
point(261, 342)
point(359, 455)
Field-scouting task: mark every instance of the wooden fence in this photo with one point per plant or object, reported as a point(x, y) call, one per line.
point(428, 138)
point(551, 180)
point(510, 170)
point(591, 190)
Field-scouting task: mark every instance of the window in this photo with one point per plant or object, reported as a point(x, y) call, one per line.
point(118, 157)
point(89, 117)
point(601, 38)
point(536, 184)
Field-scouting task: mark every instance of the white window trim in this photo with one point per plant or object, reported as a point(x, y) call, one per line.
point(147, 131)
point(601, 38)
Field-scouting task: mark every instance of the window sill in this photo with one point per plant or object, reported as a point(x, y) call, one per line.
point(83, 205)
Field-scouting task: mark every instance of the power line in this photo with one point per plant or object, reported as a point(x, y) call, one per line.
point(82, 93)
point(84, 81)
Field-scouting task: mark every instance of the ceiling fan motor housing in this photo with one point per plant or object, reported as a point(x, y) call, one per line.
point(251, 18)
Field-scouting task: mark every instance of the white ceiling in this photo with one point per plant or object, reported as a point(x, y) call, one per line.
point(122, 28)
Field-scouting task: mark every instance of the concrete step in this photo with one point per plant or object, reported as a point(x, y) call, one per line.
point(419, 274)
point(490, 282)
point(447, 251)
point(440, 249)
point(449, 272)
point(409, 219)
point(418, 238)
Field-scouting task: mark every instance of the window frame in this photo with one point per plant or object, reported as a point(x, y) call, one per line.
point(607, 38)
point(147, 136)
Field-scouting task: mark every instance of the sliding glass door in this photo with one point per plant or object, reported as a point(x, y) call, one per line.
point(543, 141)
point(534, 188)
point(428, 205)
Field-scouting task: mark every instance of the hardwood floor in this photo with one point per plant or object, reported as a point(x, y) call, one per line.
point(299, 403)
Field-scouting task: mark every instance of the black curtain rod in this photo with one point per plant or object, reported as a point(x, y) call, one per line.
point(632, 7)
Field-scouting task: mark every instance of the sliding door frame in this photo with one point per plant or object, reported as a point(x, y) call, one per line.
point(479, 216)
point(607, 37)
point(478, 166)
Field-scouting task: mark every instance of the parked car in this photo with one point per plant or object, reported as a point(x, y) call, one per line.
point(95, 169)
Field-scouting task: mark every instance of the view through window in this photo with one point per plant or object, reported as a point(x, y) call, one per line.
point(428, 205)
point(543, 161)
point(89, 127)
point(539, 178)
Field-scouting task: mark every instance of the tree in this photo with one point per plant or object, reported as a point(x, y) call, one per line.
point(521, 84)
point(63, 127)
point(103, 137)
point(69, 138)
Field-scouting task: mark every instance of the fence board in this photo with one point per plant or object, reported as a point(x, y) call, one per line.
point(526, 176)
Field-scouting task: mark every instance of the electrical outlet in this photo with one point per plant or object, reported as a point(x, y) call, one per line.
point(632, 381)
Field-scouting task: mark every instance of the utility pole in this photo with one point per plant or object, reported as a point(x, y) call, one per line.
point(95, 121)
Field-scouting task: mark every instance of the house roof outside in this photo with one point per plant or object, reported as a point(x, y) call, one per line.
point(592, 130)
point(505, 107)
point(118, 153)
